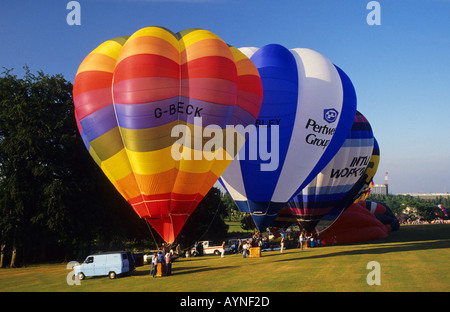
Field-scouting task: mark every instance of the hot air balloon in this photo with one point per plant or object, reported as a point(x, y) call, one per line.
point(383, 213)
point(330, 192)
point(443, 210)
point(365, 192)
point(146, 107)
point(355, 224)
point(307, 111)
point(360, 191)
point(364, 186)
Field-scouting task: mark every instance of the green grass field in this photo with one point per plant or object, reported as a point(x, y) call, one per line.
point(416, 258)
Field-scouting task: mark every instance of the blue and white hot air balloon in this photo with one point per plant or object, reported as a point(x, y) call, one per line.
point(307, 112)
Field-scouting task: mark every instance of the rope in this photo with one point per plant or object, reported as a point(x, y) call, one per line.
point(217, 209)
point(151, 232)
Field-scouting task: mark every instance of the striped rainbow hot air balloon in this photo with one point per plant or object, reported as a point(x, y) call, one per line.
point(129, 95)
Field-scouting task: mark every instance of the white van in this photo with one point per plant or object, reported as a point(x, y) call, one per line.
point(108, 263)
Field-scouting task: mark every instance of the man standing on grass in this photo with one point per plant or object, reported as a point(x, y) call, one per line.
point(245, 249)
point(223, 249)
point(168, 264)
point(154, 264)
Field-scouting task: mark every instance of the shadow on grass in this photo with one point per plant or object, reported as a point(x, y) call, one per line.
point(189, 270)
point(408, 238)
point(412, 233)
point(183, 270)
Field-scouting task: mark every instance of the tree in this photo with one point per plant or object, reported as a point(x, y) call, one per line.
point(206, 222)
point(247, 223)
point(426, 211)
point(32, 110)
point(231, 207)
point(54, 200)
point(425, 208)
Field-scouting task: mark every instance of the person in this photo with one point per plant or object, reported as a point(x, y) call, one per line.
point(245, 249)
point(168, 264)
point(302, 239)
point(282, 244)
point(200, 249)
point(178, 250)
point(154, 264)
point(308, 240)
point(223, 249)
point(160, 256)
point(161, 260)
point(239, 247)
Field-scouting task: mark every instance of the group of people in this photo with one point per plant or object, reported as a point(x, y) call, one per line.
point(308, 240)
point(435, 221)
point(244, 246)
point(163, 257)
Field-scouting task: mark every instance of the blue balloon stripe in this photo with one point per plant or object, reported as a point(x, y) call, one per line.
point(358, 142)
point(319, 190)
point(278, 71)
point(317, 201)
point(360, 134)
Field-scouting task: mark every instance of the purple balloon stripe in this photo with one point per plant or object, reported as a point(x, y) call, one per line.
point(153, 114)
point(98, 123)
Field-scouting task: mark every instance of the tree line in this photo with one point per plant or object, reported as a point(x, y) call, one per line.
point(419, 208)
point(55, 202)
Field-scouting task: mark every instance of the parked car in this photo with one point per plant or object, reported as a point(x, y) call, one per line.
point(207, 248)
point(109, 263)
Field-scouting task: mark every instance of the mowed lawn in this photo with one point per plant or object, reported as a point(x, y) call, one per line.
point(416, 258)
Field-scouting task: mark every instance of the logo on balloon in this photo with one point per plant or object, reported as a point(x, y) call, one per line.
point(330, 115)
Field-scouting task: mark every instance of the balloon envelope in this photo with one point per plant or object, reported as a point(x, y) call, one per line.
point(132, 93)
point(383, 213)
point(359, 192)
point(331, 189)
point(355, 224)
point(307, 111)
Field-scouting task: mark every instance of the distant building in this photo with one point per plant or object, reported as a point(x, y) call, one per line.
point(380, 189)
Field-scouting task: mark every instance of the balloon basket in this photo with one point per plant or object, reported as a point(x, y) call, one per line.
point(255, 252)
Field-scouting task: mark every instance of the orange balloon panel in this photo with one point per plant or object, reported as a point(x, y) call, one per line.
point(130, 93)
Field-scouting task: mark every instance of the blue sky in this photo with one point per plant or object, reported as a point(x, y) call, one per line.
point(400, 69)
